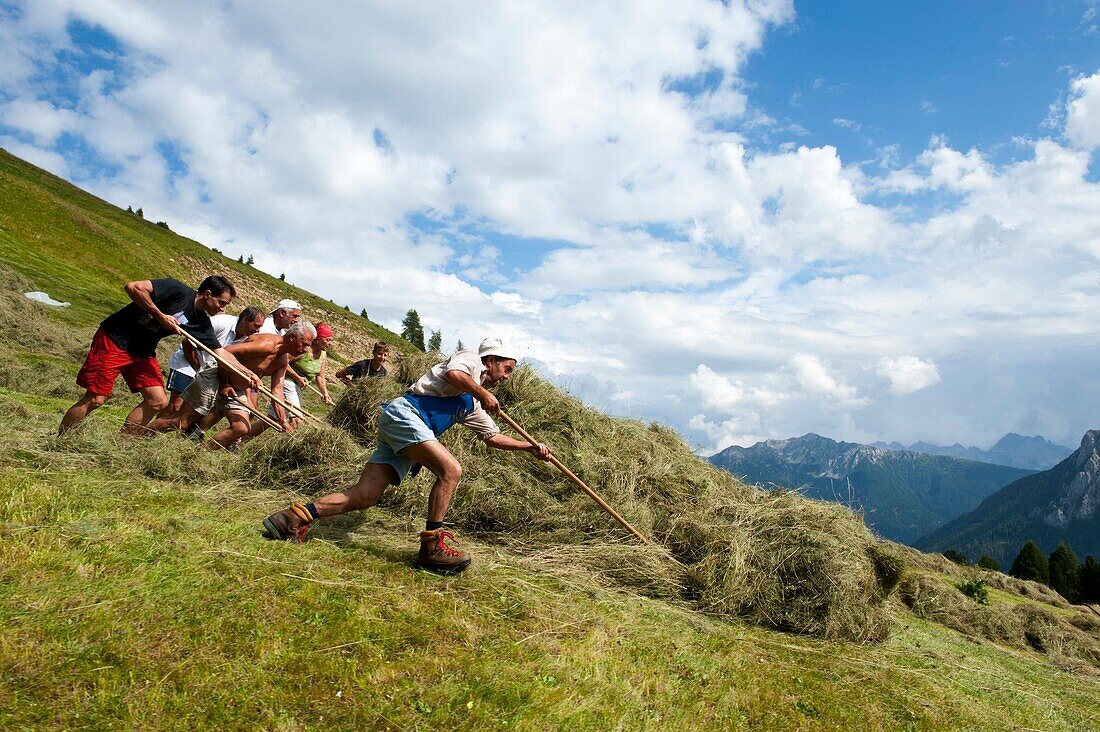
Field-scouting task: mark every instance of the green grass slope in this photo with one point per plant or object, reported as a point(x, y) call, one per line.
point(136, 591)
point(81, 249)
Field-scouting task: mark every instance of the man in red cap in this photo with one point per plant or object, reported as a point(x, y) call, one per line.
point(408, 435)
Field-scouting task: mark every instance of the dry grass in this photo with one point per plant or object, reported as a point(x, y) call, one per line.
point(1070, 643)
point(778, 559)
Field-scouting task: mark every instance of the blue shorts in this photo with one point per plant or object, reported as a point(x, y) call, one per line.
point(178, 382)
point(399, 427)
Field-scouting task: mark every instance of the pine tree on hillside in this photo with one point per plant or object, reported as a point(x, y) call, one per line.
point(1064, 572)
point(1088, 581)
point(988, 562)
point(412, 330)
point(363, 313)
point(957, 557)
point(1031, 564)
point(436, 341)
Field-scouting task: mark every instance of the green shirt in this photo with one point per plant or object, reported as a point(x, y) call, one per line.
point(308, 366)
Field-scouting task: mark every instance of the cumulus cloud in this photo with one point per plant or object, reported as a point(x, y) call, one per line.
point(590, 183)
point(907, 374)
point(1083, 112)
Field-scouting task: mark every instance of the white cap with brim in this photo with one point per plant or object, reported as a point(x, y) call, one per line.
point(496, 347)
point(287, 304)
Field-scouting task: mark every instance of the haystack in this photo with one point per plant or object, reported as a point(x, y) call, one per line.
point(777, 559)
point(310, 460)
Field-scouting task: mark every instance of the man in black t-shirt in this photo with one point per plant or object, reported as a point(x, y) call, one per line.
point(126, 344)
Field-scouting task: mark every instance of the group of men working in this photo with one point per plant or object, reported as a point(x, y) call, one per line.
point(218, 370)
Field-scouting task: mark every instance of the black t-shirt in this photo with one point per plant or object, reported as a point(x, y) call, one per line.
point(138, 332)
point(362, 368)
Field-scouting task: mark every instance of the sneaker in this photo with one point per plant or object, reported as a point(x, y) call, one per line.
point(290, 524)
point(437, 556)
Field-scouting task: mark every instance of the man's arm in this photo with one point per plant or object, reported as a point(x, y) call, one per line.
point(230, 359)
point(322, 383)
point(278, 376)
point(464, 382)
point(191, 354)
point(500, 442)
point(141, 293)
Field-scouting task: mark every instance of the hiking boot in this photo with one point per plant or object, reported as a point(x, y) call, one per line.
point(290, 524)
point(437, 556)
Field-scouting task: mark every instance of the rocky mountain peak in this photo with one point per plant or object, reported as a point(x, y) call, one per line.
point(1080, 498)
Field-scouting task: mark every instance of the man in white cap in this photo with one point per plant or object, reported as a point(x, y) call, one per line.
point(286, 313)
point(408, 435)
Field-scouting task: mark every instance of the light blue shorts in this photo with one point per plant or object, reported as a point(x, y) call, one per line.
point(399, 427)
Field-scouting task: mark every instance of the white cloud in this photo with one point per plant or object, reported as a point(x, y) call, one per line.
point(1083, 112)
point(907, 374)
point(683, 267)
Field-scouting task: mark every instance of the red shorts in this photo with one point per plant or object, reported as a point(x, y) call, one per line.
point(106, 361)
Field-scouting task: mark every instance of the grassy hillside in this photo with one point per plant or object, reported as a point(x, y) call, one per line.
point(80, 249)
point(136, 592)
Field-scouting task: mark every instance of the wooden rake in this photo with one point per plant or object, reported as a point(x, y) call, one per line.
point(263, 389)
point(577, 481)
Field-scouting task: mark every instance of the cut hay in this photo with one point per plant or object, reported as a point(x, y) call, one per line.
point(777, 559)
point(787, 563)
point(646, 570)
point(165, 457)
point(307, 461)
point(1021, 625)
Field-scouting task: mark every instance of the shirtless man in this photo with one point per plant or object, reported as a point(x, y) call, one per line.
point(266, 355)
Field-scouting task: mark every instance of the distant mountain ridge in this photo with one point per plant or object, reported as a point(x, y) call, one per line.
point(1060, 504)
point(1017, 451)
point(902, 493)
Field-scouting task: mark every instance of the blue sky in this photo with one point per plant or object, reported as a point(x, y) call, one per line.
point(744, 220)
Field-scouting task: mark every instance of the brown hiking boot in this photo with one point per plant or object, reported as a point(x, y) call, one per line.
point(437, 556)
point(290, 524)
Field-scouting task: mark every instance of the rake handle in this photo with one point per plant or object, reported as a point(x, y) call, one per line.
point(263, 389)
point(258, 414)
point(577, 481)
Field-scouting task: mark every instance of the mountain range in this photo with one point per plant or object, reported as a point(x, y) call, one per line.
point(1017, 451)
point(903, 494)
point(1060, 504)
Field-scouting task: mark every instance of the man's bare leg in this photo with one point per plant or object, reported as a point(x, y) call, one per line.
point(239, 424)
point(77, 412)
point(364, 494)
point(438, 459)
point(153, 400)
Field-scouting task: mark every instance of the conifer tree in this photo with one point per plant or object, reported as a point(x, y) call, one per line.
point(957, 557)
point(412, 330)
point(988, 562)
point(363, 313)
point(1031, 564)
point(1064, 571)
point(1088, 581)
point(435, 342)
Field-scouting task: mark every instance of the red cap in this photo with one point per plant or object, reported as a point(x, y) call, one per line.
point(324, 330)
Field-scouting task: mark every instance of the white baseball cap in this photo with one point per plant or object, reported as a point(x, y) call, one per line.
point(287, 304)
point(496, 347)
